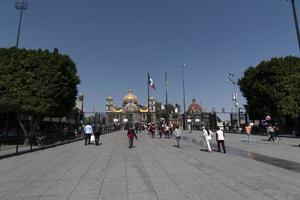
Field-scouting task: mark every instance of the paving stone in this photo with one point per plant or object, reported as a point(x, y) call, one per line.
point(154, 169)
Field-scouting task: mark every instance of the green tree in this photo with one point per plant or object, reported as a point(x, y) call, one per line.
point(272, 88)
point(164, 113)
point(36, 83)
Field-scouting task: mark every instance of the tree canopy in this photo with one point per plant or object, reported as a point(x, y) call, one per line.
point(37, 82)
point(166, 112)
point(272, 88)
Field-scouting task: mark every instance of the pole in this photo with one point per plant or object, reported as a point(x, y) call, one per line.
point(19, 28)
point(183, 90)
point(236, 107)
point(148, 113)
point(166, 87)
point(296, 22)
point(166, 90)
point(234, 98)
point(20, 5)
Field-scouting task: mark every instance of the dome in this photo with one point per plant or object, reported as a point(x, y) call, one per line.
point(130, 97)
point(194, 107)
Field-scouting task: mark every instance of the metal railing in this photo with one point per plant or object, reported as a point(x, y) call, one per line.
point(11, 146)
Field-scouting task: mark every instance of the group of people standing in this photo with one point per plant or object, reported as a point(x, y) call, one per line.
point(168, 130)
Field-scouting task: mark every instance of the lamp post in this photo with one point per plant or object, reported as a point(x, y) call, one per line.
point(296, 22)
point(20, 5)
point(235, 101)
point(183, 90)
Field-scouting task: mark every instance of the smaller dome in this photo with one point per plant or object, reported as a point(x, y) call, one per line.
point(194, 107)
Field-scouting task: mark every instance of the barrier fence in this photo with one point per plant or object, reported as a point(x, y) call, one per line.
point(11, 146)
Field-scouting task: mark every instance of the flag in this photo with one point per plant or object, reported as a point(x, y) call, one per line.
point(151, 82)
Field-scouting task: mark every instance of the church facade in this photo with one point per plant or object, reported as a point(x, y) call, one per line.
point(130, 111)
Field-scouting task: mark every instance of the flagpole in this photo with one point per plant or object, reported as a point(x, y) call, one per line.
point(166, 85)
point(166, 88)
point(296, 22)
point(148, 80)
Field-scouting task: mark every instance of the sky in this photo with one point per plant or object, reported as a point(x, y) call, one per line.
point(114, 43)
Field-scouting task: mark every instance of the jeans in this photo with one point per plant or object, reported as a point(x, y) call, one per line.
point(248, 137)
point(130, 142)
point(97, 137)
point(177, 140)
point(272, 137)
point(87, 139)
point(223, 145)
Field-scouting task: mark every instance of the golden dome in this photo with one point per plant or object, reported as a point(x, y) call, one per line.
point(130, 97)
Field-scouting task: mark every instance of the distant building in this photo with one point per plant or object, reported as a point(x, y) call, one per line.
point(130, 111)
point(196, 118)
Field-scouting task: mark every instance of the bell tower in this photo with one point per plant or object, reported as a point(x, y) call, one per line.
point(109, 104)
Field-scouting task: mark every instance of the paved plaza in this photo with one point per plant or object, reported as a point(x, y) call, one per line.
point(155, 169)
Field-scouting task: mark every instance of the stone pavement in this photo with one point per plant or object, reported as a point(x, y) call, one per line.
point(153, 170)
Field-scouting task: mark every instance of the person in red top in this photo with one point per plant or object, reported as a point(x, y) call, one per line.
point(131, 135)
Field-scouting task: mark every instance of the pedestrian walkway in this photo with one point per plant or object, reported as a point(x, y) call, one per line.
point(153, 170)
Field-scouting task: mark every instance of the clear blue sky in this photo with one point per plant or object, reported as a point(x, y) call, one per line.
point(116, 42)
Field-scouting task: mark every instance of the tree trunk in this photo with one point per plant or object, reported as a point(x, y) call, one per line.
point(19, 118)
point(25, 132)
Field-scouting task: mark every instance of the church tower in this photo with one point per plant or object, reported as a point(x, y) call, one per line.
point(109, 104)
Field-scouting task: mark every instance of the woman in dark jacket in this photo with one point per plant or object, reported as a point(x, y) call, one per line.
point(131, 135)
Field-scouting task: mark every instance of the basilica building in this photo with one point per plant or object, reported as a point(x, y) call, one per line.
point(130, 111)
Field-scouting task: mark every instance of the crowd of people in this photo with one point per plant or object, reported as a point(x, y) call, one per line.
point(271, 130)
point(170, 130)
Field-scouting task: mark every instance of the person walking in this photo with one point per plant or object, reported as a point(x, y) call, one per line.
point(97, 134)
point(207, 134)
point(167, 131)
point(220, 137)
point(88, 131)
point(178, 134)
point(271, 132)
point(131, 135)
point(248, 129)
point(152, 130)
point(276, 131)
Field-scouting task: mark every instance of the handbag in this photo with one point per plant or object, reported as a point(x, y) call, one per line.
point(92, 138)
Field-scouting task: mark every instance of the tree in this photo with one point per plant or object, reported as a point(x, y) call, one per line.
point(272, 88)
point(36, 83)
point(164, 113)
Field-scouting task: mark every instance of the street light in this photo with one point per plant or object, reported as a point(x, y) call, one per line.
point(296, 21)
point(234, 98)
point(183, 90)
point(20, 5)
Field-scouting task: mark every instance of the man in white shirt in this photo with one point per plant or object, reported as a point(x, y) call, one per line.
point(88, 131)
point(220, 140)
point(178, 134)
